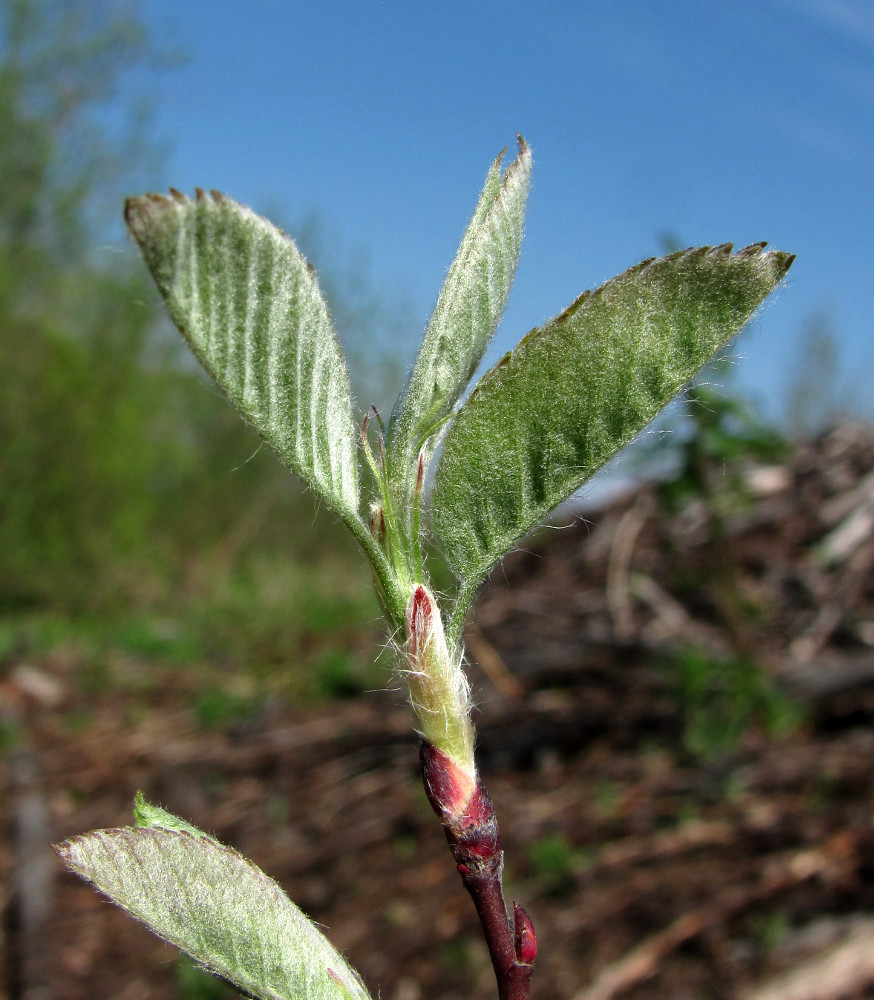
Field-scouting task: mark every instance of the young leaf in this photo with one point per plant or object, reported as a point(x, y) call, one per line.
point(148, 815)
point(575, 391)
point(249, 306)
point(467, 313)
point(217, 907)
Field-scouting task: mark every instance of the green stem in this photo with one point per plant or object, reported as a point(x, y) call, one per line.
point(395, 556)
point(394, 600)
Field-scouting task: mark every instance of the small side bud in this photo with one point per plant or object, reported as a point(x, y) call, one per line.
point(525, 938)
point(436, 682)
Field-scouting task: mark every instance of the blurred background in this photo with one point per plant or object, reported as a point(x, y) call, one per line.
point(689, 671)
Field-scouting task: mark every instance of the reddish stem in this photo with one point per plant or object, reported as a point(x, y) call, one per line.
point(472, 831)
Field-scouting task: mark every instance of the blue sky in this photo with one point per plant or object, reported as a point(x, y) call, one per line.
point(712, 122)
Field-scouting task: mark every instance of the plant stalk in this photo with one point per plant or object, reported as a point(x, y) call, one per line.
point(472, 832)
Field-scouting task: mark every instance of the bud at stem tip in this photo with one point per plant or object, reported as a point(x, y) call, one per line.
point(436, 682)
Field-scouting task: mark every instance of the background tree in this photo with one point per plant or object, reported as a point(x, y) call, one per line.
point(108, 437)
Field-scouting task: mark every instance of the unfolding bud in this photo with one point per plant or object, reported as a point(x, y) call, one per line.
point(525, 938)
point(465, 810)
point(436, 682)
point(449, 787)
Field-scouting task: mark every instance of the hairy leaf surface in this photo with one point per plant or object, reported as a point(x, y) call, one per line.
point(249, 305)
point(148, 815)
point(467, 313)
point(578, 389)
point(217, 907)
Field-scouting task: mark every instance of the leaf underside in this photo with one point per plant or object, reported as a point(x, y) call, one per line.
point(249, 305)
point(578, 389)
point(467, 313)
point(217, 907)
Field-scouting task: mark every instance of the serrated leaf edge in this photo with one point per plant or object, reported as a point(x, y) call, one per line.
point(722, 250)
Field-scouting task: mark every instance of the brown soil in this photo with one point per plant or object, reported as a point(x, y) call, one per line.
point(656, 857)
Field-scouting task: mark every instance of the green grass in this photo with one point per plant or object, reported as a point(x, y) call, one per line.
point(554, 862)
point(722, 700)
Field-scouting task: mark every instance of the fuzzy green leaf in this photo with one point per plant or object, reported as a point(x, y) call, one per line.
point(217, 907)
point(467, 313)
point(249, 305)
point(148, 815)
point(578, 389)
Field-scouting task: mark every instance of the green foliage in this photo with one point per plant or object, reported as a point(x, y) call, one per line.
point(712, 440)
point(466, 316)
point(60, 62)
point(554, 862)
point(10, 736)
point(217, 707)
point(771, 929)
point(574, 392)
point(147, 815)
point(336, 674)
point(250, 308)
point(156, 640)
point(536, 427)
point(722, 700)
point(214, 905)
point(129, 486)
point(714, 435)
point(70, 410)
point(608, 797)
point(323, 649)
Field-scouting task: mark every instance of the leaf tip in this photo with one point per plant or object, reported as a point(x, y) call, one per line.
point(523, 159)
point(524, 155)
point(779, 260)
point(141, 808)
point(64, 851)
point(73, 853)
